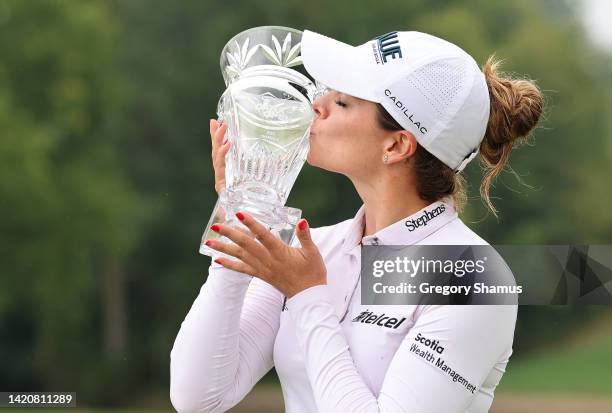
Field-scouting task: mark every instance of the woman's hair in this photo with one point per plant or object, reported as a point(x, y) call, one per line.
point(516, 106)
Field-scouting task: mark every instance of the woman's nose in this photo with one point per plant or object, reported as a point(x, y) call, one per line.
point(319, 107)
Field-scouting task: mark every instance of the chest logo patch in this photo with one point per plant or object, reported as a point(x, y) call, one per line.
point(383, 320)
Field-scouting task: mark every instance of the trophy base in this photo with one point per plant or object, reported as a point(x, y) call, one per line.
point(280, 220)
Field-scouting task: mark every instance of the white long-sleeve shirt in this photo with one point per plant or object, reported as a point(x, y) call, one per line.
point(330, 352)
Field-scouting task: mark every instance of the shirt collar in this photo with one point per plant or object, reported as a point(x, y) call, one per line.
point(406, 231)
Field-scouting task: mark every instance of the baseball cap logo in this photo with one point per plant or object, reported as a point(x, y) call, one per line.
point(388, 45)
point(411, 116)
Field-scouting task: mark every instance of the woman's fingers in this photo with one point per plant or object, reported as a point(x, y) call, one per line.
point(219, 134)
point(244, 241)
point(237, 266)
point(215, 136)
point(223, 150)
point(245, 231)
point(220, 146)
point(226, 248)
point(262, 233)
point(213, 127)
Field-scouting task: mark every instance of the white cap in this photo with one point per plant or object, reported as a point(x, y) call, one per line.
point(431, 87)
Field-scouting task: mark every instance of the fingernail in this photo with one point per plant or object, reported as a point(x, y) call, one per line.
point(218, 261)
point(224, 141)
point(208, 243)
point(303, 224)
point(240, 216)
point(215, 227)
point(211, 122)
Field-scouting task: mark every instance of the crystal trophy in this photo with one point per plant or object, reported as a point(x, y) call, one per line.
point(267, 106)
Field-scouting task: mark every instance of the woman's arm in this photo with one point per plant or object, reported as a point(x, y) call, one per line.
point(226, 342)
point(473, 338)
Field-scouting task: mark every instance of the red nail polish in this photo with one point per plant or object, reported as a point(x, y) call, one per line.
point(218, 261)
point(224, 141)
point(240, 216)
point(208, 243)
point(215, 227)
point(303, 224)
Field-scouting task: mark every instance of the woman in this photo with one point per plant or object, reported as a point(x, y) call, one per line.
point(407, 112)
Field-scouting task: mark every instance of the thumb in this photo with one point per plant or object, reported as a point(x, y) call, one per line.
point(303, 233)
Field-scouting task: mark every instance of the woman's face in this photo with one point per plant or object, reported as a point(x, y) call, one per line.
point(345, 136)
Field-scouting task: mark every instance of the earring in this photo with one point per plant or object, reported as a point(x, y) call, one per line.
point(385, 158)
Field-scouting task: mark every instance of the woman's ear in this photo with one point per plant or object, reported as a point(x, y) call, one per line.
point(402, 146)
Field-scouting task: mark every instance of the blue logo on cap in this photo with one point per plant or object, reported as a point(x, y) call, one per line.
point(388, 45)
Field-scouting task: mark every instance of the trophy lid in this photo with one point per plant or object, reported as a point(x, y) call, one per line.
point(275, 46)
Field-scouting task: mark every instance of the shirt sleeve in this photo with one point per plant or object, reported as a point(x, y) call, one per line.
point(225, 344)
point(424, 376)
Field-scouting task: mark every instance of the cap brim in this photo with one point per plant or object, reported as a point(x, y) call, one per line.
point(337, 65)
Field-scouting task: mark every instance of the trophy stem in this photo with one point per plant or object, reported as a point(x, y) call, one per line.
point(280, 220)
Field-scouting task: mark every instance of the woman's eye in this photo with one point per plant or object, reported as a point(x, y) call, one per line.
point(340, 103)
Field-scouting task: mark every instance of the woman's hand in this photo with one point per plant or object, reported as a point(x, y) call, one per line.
point(220, 146)
point(289, 269)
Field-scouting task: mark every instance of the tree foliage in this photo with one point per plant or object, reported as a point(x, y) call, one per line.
point(107, 183)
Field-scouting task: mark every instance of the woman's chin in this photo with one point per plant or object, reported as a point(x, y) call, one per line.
point(314, 161)
point(320, 162)
point(310, 159)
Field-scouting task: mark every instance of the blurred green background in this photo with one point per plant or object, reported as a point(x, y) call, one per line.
point(106, 182)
